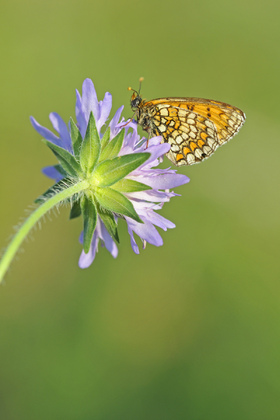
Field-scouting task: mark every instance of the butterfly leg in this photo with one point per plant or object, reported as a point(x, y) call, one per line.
point(149, 136)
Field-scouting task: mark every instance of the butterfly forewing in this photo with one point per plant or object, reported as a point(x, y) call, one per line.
point(194, 127)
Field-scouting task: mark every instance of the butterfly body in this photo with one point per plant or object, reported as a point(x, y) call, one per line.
point(193, 127)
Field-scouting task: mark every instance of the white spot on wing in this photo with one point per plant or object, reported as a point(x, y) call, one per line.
point(181, 113)
point(198, 153)
point(175, 134)
point(207, 150)
point(210, 131)
point(212, 143)
point(161, 106)
point(209, 123)
point(179, 139)
point(193, 128)
point(164, 112)
point(175, 148)
point(190, 158)
point(185, 136)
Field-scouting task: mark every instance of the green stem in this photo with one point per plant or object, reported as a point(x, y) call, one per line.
point(33, 219)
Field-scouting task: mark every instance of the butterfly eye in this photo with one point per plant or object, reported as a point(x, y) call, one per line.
point(135, 101)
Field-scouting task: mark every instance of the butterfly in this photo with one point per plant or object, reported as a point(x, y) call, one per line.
point(193, 127)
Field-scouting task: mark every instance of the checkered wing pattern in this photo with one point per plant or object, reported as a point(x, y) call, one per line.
point(194, 127)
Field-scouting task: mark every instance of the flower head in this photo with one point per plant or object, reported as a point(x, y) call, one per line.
point(119, 170)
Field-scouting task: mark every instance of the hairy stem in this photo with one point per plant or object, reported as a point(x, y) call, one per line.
point(31, 221)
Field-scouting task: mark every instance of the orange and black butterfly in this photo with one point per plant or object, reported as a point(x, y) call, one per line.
point(193, 127)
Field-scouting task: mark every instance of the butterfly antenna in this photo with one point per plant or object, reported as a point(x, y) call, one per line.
point(133, 90)
point(140, 84)
point(138, 94)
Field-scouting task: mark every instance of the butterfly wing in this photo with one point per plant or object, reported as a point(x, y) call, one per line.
point(194, 127)
point(192, 137)
point(227, 118)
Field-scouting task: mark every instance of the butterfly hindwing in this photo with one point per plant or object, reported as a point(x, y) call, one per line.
point(194, 127)
point(191, 136)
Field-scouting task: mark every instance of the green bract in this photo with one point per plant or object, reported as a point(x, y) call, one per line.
point(97, 162)
point(91, 147)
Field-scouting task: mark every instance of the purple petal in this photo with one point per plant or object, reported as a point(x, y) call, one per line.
point(87, 259)
point(160, 221)
point(44, 132)
point(128, 145)
point(60, 126)
point(129, 124)
point(52, 172)
point(156, 152)
point(141, 144)
point(105, 109)
point(155, 141)
point(114, 122)
point(157, 171)
point(150, 195)
point(143, 206)
point(89, 100)
point(108, 241)
point(165, 181)
point(134, 245)
point(130, 139)
point(145, 231)
point(80, 116)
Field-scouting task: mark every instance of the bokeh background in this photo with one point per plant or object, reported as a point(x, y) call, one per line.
point(190, 330)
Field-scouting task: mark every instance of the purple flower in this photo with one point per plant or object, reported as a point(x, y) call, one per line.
point(147, 202)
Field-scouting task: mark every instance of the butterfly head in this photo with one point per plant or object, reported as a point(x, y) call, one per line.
point(136, 99)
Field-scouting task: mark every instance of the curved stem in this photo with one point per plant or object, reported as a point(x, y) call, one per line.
point(30, 222)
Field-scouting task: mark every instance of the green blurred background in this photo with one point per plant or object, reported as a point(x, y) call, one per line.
point(190, 330)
